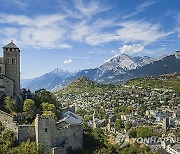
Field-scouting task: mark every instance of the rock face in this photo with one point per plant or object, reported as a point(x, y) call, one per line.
point(116, 70)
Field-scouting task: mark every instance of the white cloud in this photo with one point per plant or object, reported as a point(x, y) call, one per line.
point(65, 46)
point(134, 48)
point(43, 31)
point(38, 21)
point(52, 31)
point(140, 8)
point(93, 33)
point(141, 31)
point(88, 9)
point(68, 61)
point(41, 37)
point(136, 31)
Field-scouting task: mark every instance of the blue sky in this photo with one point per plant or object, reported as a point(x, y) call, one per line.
point(80, 34)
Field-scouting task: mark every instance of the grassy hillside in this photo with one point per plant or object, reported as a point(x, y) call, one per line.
point(83, 84)
point(169, 81)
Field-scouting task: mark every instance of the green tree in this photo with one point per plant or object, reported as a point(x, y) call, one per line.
point(8, 138)
point(10, 104)
point(30, 108)
point(133, 133)
point(48, 107)
point(144, 132)
point(43, 95)
point(128, 125)
point(119, 124)
point(28, 147)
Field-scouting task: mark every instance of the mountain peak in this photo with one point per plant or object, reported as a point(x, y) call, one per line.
point(124, 55)
point(58, 70)
point(177, 54)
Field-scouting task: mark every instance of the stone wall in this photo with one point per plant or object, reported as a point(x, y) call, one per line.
point(26, 132)
point(9, 87)
point(22, 132)
point(8, 121)
point(70, 136)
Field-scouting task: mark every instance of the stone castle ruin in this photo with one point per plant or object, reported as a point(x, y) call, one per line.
point(56, 136)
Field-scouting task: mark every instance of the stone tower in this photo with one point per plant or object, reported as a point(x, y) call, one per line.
point(11, 55)
point(45, 130)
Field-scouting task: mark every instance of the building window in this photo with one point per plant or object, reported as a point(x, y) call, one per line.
point(45, 129)
point(6, 49)
point(0, 70)
point(13, 61)
point(10, 49)
point(10, 61)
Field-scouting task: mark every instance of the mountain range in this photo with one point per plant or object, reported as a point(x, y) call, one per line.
point(116, 70)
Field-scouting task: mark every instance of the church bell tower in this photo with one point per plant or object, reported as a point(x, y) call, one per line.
point(11, 55)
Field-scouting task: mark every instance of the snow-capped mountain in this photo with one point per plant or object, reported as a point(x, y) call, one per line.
point(120, 64)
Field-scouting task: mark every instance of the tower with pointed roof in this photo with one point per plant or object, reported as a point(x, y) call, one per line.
point(10, 70)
